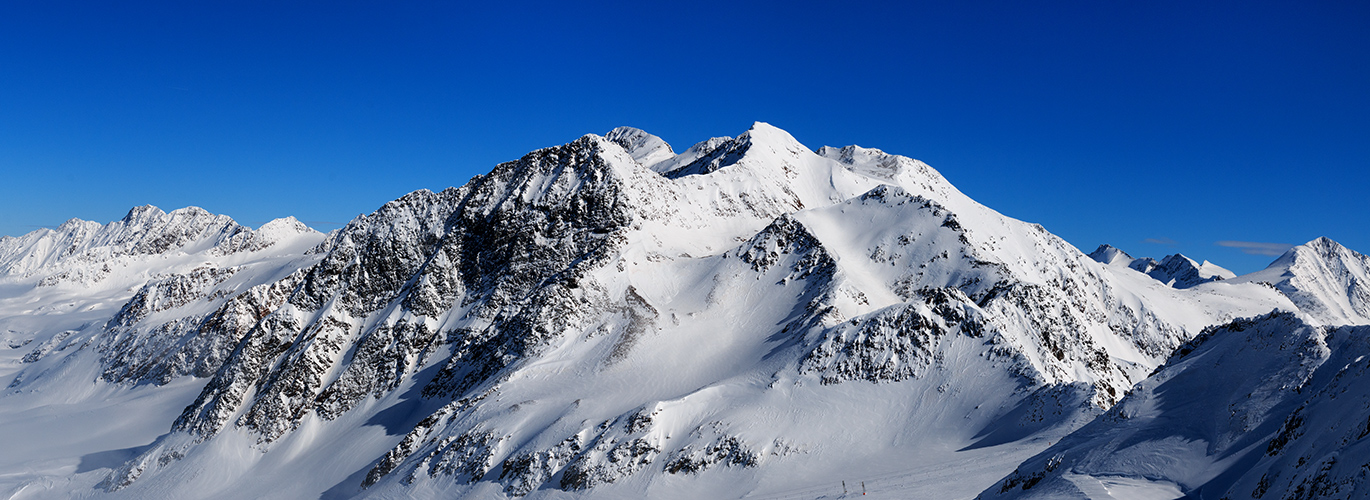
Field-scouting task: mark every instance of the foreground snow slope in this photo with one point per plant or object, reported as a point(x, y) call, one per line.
point(1271, 407)
point(610, 319)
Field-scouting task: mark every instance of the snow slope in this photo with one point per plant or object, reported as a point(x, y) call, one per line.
point(1270, 407)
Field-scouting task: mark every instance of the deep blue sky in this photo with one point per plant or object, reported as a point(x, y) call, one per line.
point(1155, 126)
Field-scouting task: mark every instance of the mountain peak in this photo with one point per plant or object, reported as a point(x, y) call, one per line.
point(1324, 279)
point(1325, 246)
point(1109, 254)
point(1324, 242)
point(1183, 272)
point(143, 212)
point(645, 148)
point(73, 223)
point(762, 133)
point(191, 211)
point(1321, 248)
point(285, 225)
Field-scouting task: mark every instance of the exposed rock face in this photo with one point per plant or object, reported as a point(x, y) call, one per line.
point(494, 269)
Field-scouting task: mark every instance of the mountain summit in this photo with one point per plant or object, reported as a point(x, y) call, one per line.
point(1328, 281)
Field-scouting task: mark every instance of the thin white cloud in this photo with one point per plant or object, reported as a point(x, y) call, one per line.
point(1161, 241)
point(1256, 248)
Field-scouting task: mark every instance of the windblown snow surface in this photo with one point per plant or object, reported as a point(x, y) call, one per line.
point(609, 319)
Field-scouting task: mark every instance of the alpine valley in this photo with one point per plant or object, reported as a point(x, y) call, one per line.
point(748, 318)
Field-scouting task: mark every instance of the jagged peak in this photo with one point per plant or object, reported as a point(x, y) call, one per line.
point(1175, 270)
point(600, 151)
point(143, 212)
point(1144, 264)
point(1321, 255)
point(149, 214)
point(1326, 280)
point(73, 224)
point(1325, 242)
point(409, 203)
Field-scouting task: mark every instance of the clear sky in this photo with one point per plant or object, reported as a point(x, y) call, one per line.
point(1155, 126)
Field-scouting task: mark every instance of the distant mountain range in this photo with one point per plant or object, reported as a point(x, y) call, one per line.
point(1174, 270)
point(611, 319)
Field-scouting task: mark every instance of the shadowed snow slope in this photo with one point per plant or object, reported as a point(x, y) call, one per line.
point(1270, 407)
point(609, 319)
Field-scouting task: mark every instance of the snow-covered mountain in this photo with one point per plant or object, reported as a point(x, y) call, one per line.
point(1329, 282)
point(605, 318)
point(62, 292)
point(1174, 270)
point(84, 279)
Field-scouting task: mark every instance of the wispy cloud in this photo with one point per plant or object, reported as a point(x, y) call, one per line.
point(1161, 241)
point(1255, 247)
